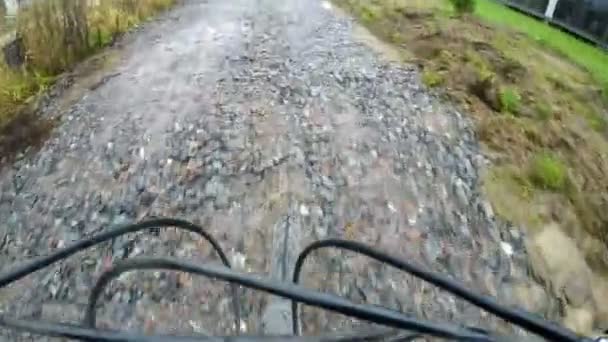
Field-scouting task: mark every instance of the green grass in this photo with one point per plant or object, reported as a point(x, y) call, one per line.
point(596, 121)
point(463, 6)
point(369, 14)
point(510, 100)
point(431, 78)
point(548, 172)
point(586, 55)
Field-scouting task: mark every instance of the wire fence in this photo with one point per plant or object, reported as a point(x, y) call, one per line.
point(587, 19)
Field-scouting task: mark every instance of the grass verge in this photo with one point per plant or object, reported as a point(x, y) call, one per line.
point(539, 98)
point(56, 35)
point(581, 53)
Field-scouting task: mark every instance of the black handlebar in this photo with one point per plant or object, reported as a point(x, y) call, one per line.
point(401, 325)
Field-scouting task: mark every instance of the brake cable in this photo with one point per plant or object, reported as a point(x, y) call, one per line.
point(294, 292)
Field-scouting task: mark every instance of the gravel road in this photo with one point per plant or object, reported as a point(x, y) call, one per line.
point(256, 119)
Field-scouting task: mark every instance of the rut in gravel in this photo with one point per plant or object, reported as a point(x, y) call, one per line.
point(268, 123)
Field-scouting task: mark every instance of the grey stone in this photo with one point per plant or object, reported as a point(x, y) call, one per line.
point(461, 190)
point(214, 187)
point(63, 312)
point(486, 209)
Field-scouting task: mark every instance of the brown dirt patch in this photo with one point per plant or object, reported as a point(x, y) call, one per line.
point(23, 131)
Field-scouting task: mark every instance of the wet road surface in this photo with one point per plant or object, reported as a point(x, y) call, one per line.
point(272, 124)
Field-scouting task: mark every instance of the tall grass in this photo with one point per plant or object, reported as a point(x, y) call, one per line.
point(57, 34)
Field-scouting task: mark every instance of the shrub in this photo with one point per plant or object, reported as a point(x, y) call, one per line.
point(431, 78)
point(548, 172)
point(509, 100)
point(463, 6)
point(369, 13)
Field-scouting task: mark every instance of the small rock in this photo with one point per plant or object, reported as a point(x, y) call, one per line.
point(120, 219)
point(239, 260)
point(506, 248)
point(486, 209)
point(89, 261)
point(140, 184)
point(62, 312)
point(461, 190)
point(304, 210)
point(222, 200)
point(193, 147)
point(214, 187)
point(146, 198)
point(321, 231)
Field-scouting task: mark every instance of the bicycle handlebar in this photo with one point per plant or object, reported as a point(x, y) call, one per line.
point(401, 324)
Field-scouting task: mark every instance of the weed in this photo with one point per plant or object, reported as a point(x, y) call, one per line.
point(396, 37)
point(510, 100)
point(431, 78)
point(483, 70)
point(596, 121)
point(369, 13)
point(548, 172)
point(463, 6)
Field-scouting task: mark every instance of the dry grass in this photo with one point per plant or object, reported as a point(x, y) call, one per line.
point(57, 34)
point(540, 111)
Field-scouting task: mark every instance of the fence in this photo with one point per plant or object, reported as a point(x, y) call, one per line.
point(585, 18)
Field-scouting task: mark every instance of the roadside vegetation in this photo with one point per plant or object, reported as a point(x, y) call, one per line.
point(55, 35)
point(539, 98)
point(3, 12)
